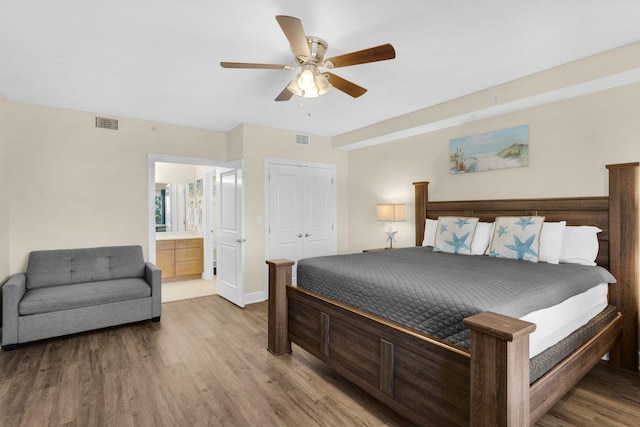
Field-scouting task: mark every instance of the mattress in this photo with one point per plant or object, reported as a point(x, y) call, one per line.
point(555, 323)
point(433, 292)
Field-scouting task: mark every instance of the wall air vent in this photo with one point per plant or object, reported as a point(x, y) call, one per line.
point(105, 123)
point(301, 139)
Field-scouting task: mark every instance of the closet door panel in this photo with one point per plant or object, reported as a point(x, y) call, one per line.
point(319, 208)
point(286, 212)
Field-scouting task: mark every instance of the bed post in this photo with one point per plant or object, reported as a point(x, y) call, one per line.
point(421, 198)
point(623, 259)
point(499, 370)
point(278, 331)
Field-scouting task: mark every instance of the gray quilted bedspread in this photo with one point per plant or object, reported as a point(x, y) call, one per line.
point(433, 291)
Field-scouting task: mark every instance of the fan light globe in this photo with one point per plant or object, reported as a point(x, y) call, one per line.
point(306, 80)
point(310, 93)
point(322, 84)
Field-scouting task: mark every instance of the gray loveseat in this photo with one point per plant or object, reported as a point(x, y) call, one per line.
point(76, 290)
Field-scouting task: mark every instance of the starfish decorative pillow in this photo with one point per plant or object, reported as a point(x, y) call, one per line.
point(517, 237)
point(455, 234)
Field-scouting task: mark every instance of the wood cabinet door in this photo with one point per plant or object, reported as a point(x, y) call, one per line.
point(165, 260)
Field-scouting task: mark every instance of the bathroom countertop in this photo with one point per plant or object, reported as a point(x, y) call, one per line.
point(176, 235)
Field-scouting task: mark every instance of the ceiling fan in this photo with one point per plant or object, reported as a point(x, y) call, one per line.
point(309, 53)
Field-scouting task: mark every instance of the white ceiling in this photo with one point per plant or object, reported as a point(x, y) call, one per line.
point(158, 60)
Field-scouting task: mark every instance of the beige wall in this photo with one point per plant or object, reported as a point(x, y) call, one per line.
point(259, 143)
point(570, 142)
point(4, 183)
point(175, 172)
point(78, 186)
point(81, 186)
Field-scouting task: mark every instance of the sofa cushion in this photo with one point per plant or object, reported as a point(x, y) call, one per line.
point(65, 297)
point(69, 266)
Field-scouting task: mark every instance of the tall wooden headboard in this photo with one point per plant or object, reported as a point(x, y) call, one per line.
point(616, 215)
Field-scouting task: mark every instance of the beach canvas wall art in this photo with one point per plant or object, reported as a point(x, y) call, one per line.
point(505, 148)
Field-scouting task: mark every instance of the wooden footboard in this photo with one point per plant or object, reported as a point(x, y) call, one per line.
point(427, 380)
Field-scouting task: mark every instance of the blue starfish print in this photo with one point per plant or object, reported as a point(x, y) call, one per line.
point(523, 222)
point(460, 222)
point(501, 230)
point(522, 248)
point(493, 253)
point(443, 228)
point(458, 242)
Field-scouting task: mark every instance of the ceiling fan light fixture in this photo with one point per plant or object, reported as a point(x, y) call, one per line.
point(310, 93)
point(309, 83)
point(322, 84)
point(306, 79)
point(293, 86)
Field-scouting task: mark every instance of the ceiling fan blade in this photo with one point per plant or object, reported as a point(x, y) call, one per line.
point(292, 28)
point(255, 66)
point(373, 54)
point(345, 85)
point(285, 95)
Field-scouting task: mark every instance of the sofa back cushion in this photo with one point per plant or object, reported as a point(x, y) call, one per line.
point(69, 266)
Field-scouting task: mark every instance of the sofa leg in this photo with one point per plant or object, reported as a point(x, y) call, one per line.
point(9, 347)
point(155, 319)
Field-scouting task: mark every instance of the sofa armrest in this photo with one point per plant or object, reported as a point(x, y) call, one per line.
point(12, 292)
point(154, 279)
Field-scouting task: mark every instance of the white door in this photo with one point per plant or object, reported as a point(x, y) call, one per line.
point(286, 215)
point(230, 238)
point(301, 212)
point(319, 212)
point(209, 223)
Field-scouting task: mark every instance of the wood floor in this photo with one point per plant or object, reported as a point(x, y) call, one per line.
point(206, 363)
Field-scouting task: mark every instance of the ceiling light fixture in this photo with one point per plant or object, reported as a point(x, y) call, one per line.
point(309, 83)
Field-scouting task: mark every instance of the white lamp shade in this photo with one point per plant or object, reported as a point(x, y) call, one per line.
point(384, 212)
point(391, 212)
point(399, 212)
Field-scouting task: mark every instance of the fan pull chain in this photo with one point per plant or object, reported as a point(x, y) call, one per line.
point(302, 104)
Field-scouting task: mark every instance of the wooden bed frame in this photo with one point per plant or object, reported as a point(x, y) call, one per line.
point(434, 383)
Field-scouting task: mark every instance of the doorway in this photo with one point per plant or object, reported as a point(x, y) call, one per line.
point(197, 224)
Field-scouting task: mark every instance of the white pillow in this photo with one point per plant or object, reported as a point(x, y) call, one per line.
point(551, 241)
point(430, 227)
point(580, 245)
point(481, 238)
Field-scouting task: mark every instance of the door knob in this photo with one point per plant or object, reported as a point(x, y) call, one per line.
point(307, 234)
point(299, 235)
point(241, 240)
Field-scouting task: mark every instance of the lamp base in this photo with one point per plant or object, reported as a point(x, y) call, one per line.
point(390, 235)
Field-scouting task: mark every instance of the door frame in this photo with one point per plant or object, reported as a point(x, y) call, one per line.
point(274, 160)
point(151, 221)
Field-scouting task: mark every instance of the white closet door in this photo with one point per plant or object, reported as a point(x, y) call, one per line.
point(302, 205)
point(286, 212)
point(319, 211)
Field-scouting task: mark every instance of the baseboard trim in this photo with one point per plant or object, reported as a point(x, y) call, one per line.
point(255, 297)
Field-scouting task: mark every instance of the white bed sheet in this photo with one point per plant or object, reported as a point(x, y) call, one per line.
point(555, 323)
